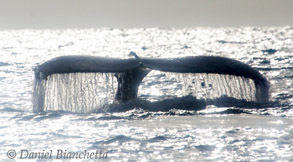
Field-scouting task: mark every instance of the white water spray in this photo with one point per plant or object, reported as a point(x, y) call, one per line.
point(75, 92)
point(84, 92)
point(160, 85)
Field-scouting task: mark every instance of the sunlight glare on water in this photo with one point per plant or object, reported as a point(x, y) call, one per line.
point(217, 133)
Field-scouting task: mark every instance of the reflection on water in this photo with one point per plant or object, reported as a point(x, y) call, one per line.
point(138, 135)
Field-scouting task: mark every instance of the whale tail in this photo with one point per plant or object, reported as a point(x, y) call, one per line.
point(212, 65)
point(130, 72)
point(262, 88)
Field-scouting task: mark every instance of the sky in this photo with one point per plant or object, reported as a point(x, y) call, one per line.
point(24, 14)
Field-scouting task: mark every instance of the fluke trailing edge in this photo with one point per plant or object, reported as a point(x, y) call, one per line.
point(130, 72)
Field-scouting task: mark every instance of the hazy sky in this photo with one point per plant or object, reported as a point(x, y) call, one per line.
point(17, 14)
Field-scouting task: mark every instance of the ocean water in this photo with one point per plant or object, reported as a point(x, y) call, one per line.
point(217, 133)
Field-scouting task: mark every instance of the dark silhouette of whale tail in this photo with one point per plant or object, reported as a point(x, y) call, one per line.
point(130, 72)
point(215, 65)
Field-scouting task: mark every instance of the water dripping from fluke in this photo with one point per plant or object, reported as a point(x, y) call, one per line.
point(84, 84)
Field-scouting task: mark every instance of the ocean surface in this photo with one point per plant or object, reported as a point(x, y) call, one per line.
point(219, 132)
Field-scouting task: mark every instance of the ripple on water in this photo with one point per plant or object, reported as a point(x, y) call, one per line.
point(218, 133)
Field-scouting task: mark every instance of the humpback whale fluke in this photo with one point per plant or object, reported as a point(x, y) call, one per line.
point(212, 64)
point(130, 72)
point(84, 64)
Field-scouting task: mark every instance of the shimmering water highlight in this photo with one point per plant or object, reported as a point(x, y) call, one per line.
point(217, 133)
